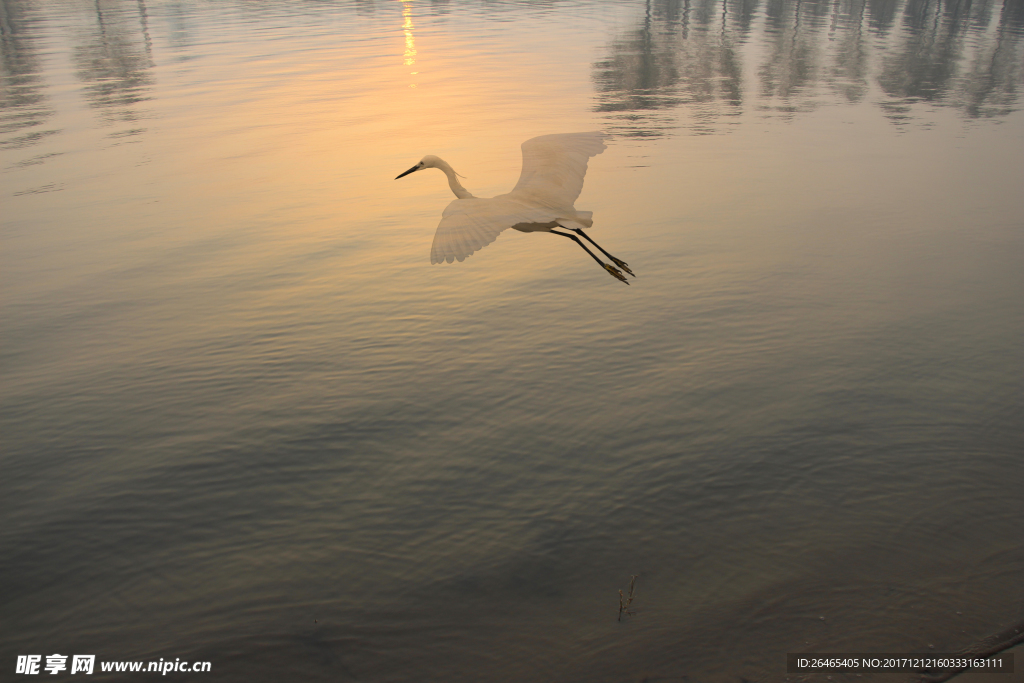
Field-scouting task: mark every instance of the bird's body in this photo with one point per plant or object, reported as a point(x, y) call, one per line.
point(552, 177)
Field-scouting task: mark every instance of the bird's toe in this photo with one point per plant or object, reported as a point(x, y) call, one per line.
point(615, 273)
point(623, 265)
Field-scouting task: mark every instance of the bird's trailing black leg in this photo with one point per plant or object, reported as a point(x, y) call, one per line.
point(612, 270)
point(620, 264)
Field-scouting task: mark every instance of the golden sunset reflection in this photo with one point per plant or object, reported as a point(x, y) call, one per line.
point(410, 43)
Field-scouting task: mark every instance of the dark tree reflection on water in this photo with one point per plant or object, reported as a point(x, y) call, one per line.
point(114, 61)
point(696, 64)
point(112, 57)
point(689, 55)
point(23, 102)
point(928, 65)
point(674, 58)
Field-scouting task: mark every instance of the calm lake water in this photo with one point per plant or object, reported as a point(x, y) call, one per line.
point(245, 420)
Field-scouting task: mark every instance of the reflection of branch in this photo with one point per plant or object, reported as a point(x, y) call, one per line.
point(624, 600)
point(143, 19)
point(5, 24)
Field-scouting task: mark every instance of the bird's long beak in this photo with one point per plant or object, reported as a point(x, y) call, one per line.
point(414, 168)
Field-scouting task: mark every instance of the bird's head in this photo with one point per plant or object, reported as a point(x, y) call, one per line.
point(429, 161)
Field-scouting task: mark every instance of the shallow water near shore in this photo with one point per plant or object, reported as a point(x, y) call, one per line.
point(245, 421)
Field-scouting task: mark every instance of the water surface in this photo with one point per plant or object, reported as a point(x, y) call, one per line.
point(245, 420)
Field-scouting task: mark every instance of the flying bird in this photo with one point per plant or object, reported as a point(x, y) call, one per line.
point(542, 200)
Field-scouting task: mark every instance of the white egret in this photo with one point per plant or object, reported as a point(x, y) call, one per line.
point(542, 200)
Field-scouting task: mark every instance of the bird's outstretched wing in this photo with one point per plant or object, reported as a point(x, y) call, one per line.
point(554, 166)
point(468, 225)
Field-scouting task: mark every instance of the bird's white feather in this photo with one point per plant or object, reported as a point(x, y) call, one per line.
point(468, 225)
point(554, 167)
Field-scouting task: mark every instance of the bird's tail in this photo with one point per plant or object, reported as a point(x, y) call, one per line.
point(584, 218)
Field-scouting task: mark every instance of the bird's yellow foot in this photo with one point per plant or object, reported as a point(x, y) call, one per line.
point(615, 272)
point(623, 265)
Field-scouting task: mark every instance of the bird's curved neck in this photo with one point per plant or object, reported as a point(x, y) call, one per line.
point(453, 181)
